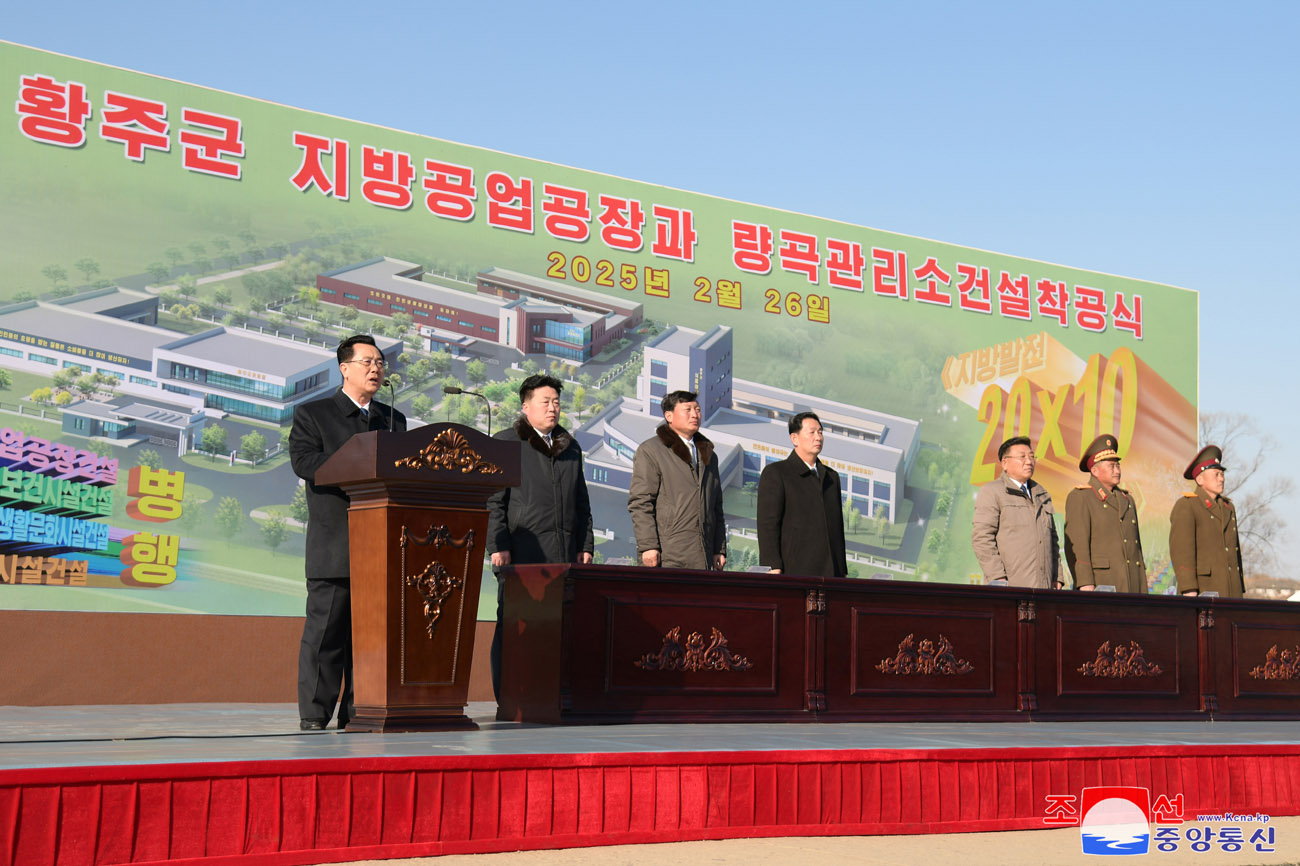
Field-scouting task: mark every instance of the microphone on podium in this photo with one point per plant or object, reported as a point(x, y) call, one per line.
point(392, 402)
point(456, 389)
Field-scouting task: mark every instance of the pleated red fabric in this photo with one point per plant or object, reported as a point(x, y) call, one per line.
point(282, 813)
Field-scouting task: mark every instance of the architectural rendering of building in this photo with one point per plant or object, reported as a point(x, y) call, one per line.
point(530, 314)
point(747, 421)
point(226, 370)
point(124, 418)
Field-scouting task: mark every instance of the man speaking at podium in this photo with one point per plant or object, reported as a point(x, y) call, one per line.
point(319, 429)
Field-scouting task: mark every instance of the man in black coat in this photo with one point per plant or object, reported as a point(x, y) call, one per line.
point(547, 518)
point(319, 429)
point(800, 521)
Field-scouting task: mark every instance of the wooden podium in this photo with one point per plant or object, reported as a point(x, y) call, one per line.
point(601, 644)
point(417, 527)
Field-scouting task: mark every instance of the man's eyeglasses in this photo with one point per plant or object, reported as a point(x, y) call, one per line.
point(1021, 458)
point(377, 363)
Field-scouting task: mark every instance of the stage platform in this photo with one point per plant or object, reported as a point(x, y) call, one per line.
point(239, 784)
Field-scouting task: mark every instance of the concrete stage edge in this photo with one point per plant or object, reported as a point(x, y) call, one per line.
point(237, 783)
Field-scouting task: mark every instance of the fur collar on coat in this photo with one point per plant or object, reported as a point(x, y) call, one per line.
point(678, 447)
point(560, 438)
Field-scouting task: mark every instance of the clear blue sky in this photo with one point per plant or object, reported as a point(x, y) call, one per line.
point(1151, 140)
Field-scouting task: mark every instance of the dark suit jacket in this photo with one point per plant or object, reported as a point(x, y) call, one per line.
point(800, 521)
point(319, 429)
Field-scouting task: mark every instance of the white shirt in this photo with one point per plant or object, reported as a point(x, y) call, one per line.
point(690, 446)
point(365, 407)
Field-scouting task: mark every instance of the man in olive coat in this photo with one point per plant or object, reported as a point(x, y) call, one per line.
point(1102, 543)
point(800, 520)
point(1014, 532)
point(547, 518)
point(1203, 541)
point(675, 497)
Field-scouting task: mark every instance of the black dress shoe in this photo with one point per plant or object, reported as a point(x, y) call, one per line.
point(343, 722)
point(311, 725)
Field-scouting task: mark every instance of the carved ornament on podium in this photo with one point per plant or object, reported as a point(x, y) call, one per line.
point(434, 582)
point(924, 659)
point(1278, 665)
point(449, 450)
point(693, 654)
point(1121, 662)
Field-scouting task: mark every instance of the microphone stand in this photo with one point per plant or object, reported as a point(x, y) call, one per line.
point(392, 402)
point(453, 389)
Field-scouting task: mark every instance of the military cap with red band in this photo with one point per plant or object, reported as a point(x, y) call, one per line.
point(1104, 447)
point(1207, 458)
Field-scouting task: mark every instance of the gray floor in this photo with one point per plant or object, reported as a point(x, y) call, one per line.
point(190, 733)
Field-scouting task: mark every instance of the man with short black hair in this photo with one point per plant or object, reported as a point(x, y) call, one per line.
point(320, 428)
point(800, 514)
point(547, 517)
point(675, 497)
point(1014, 527)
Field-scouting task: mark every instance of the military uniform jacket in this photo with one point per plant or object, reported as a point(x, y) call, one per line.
point(1014, 535)
point(1203, 545)
point(1102, 541)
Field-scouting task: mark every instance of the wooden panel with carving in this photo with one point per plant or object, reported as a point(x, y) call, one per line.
point(648, 646)
point(609, 644)
point(1257, 660)
point(902, 651)
point(411, 666)
point(1131, 659)
point(432, 576)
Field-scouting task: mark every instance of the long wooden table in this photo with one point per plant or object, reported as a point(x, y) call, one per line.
point(599, 644)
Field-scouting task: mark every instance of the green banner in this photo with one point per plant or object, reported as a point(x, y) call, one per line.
point(181, 262)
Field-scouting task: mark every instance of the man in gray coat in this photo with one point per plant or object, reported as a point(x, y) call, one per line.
point(675, 497)
point(547, 518)
point(1014, 535)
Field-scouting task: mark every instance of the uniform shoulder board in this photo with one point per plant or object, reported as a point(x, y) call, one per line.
point(1190, 495)
point(1081, 486)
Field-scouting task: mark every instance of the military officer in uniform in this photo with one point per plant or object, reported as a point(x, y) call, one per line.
point(1203, 540)
point(1102, 543)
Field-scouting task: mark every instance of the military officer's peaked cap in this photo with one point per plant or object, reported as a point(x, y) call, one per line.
point(1104, 447)
point(1207, 458)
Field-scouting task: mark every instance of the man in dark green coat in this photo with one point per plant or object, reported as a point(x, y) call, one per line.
point(1102, 543)
point(1203, 541)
